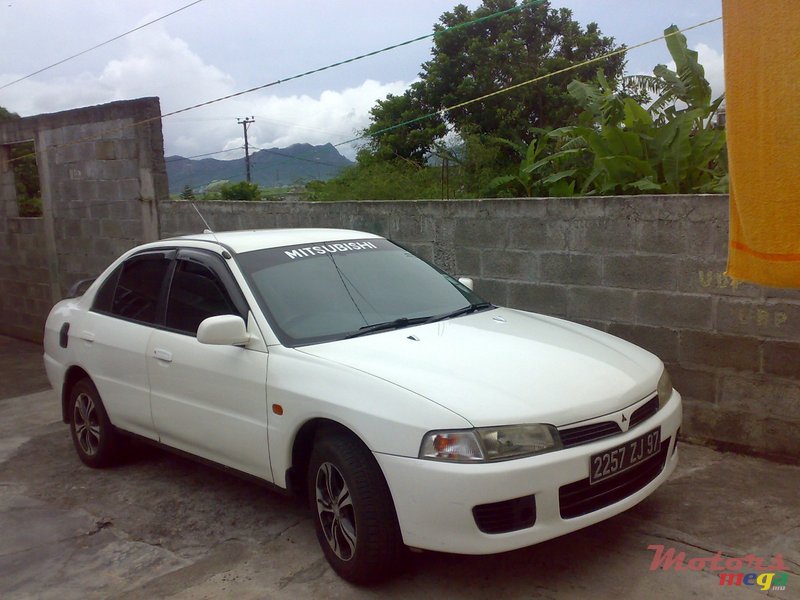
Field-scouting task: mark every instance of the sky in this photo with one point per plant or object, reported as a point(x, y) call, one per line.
point(218, 47)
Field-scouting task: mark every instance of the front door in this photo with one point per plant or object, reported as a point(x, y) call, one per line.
point(208, 400)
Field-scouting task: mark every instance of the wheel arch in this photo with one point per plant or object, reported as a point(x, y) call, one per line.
point(303, 445)
point(73, 375)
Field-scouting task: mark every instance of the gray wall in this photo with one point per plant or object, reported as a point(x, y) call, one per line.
point(102, 174)
point(648, 269)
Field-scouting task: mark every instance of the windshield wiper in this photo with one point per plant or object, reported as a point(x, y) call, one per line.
point(385, 326)
point(461, 311)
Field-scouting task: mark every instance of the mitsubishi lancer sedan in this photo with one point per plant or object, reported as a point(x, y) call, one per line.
point(408, 411)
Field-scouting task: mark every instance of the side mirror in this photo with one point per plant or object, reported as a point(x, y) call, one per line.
point(223, 330)
point(467, 282)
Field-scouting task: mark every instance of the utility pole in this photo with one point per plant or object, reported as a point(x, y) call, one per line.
point(244, 123)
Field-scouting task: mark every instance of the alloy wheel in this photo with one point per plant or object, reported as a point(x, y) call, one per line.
point(335, 510)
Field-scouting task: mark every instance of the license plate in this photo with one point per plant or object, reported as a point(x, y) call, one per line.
point(616, 460)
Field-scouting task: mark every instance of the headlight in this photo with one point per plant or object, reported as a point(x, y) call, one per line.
point(489, 443)
point(664, 389)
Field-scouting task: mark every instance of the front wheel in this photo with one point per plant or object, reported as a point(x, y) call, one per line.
point(354, 515)
point(93, 435)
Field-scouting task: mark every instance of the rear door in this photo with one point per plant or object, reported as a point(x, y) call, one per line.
point(114, 334)
point(208, 400)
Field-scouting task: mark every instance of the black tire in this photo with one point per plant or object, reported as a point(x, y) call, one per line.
point(359, 536)
point(94, 437)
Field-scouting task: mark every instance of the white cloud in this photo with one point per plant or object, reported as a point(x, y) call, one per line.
point(713, 64)
point(156, 64)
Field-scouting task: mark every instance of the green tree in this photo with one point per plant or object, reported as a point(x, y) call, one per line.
point(413, 141)
point(240, 191)
point(187, 193)
point(472, 61)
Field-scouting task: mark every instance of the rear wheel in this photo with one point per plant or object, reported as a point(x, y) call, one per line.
point(354, 515)
point(93, 435)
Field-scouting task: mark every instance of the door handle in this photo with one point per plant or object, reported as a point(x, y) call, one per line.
point(87, 335)
point(162, 355)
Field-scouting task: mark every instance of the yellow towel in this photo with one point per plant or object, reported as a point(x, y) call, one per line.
point(762, 89)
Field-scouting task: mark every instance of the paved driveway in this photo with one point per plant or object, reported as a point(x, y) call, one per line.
point(162, 526)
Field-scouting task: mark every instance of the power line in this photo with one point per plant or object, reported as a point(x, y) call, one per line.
point(515, 86)
point(294, 77)
point(359, 57)
point(114, 39)
point(409, 121)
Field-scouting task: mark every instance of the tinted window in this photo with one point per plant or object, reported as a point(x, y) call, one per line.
point(139, 288)
point(196, 293)
point(331, 290)
point(104, 298)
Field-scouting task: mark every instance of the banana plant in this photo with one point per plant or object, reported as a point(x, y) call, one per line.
point(621, 147)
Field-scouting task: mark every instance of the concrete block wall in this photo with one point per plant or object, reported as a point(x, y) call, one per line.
point(102, 174)
point(25, 283)
point(647, 269)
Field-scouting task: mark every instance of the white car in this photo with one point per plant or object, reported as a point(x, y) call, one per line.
point(338, 365)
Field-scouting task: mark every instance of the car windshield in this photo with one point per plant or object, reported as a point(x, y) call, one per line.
point(339, 289)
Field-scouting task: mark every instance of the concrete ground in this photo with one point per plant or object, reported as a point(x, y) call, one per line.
point(160, 526)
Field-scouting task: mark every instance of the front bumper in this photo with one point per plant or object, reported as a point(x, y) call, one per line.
point(435, 500)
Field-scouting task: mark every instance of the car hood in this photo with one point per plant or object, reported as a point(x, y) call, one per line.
point(505, 366)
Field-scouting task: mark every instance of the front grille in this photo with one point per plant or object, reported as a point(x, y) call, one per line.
point(581, 498)
point(575, 436)
point(505, 516)
point(644, 412)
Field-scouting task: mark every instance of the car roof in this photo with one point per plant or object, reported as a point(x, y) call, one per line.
point(258, 239)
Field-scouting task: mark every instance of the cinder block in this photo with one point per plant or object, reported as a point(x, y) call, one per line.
point(760, 396)
point(414, 229)
point(773, 319)
point(127, 190)
point(707, 276)
point(492, 290)
point(600, 304)
point(538, 234)
point(576, 208)
point(781, 358)
point(661, 237)
point(111, 228)
point(425, 252)
point(707, 238)
point(696, 383)
point(468, 261)
point(640, 272)
point(673, 310)
point(719, 350)
point(580, 269)
point(444, 257)
point(105, 150)
point(483, 233)
point(509, 264)
point(661, 341)
point(601, 235)
point(741, 431)
point(547, 299)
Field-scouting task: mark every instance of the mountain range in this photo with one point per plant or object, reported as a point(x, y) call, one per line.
point(273, 167)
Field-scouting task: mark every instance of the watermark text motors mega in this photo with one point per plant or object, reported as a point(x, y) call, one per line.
point(766, 573)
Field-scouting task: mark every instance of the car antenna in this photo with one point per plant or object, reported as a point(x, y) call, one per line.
point(209, 230)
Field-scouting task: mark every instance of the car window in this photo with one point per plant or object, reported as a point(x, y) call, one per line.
point(196, 293)
point(138, 288)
